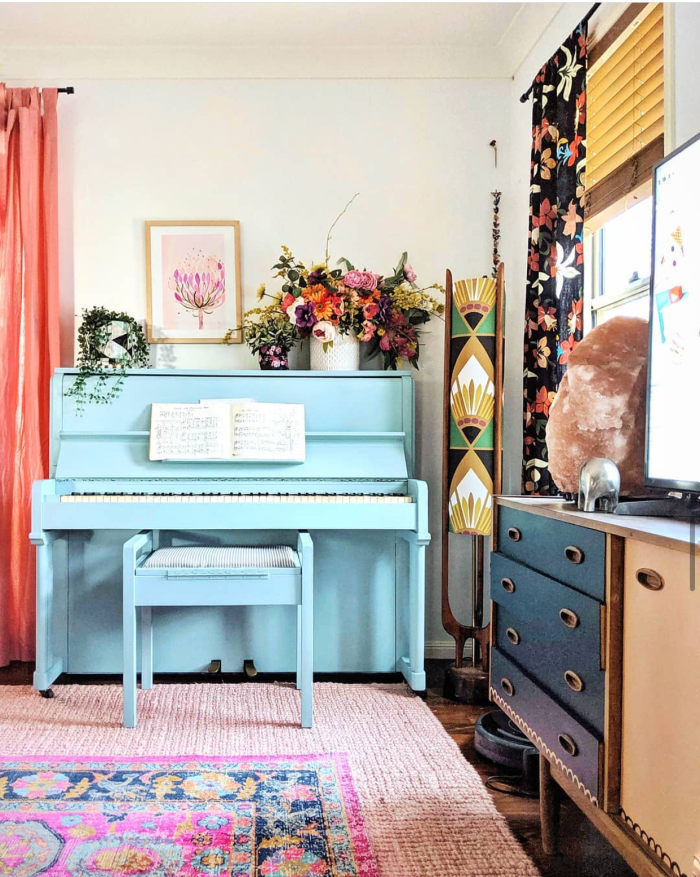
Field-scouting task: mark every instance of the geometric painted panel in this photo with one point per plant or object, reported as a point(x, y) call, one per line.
point(472, 405)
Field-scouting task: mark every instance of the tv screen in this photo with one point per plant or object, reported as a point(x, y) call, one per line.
point(673, 409)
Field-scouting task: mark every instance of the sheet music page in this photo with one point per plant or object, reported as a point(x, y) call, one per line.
point(190, 432)
point(268, 431)
point(226, 401)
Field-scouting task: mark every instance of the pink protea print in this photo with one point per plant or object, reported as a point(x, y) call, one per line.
point(199, 284)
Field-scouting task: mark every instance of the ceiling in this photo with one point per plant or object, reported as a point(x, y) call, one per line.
point(496, 36)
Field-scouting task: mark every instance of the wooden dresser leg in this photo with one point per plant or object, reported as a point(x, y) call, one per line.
point(549, 807)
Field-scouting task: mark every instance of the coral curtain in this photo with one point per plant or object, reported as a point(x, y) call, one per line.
point(554, 297)
point(29, 341)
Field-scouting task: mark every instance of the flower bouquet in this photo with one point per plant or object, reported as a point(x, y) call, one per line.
point(327, 305)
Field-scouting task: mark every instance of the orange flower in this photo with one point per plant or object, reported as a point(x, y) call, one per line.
point(543, 401)
point(322, 301)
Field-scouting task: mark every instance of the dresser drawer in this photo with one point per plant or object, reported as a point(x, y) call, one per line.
point(552, 631)
point(574, 555)
point(577, 751)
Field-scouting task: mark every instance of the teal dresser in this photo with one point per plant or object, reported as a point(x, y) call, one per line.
point(595, 656)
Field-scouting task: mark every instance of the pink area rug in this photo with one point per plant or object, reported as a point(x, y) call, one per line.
point(409, 804)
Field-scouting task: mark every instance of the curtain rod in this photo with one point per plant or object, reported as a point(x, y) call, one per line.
point(67, 90)
point(586, 18)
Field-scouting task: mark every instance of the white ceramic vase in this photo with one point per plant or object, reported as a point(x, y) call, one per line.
point(342, 356)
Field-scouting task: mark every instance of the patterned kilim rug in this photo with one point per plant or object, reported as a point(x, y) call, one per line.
point(215, 781)
point(166, 816)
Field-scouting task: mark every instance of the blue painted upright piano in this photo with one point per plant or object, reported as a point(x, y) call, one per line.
point(355, 492)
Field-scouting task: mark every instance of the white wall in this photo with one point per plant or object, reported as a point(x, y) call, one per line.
point(686, 93)
point(283, 157)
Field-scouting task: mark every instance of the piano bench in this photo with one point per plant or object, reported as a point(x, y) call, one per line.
point(266, 575)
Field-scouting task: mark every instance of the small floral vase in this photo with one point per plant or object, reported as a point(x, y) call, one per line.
point(271, 356)
point(342, 356)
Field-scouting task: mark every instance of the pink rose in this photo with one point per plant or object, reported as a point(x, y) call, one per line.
point(324, 331)
point(361, 280)
point(409, 273)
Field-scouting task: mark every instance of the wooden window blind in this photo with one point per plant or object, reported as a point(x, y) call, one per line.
point(625, 124)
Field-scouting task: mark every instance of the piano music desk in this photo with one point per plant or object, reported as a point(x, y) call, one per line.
point(356, 493)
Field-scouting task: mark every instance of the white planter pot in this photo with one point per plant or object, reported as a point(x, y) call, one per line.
point(342, 356)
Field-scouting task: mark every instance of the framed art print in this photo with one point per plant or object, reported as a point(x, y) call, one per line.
point(193, 281)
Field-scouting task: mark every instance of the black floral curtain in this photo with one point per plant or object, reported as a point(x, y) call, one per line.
point(554, 303)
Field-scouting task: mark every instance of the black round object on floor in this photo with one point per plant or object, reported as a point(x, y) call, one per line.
point(497, 738)
point(500, 740)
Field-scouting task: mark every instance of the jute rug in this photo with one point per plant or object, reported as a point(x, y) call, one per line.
point(220, 779)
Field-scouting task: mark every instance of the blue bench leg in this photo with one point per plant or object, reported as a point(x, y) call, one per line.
point(129, 651)
point(299, 623)
point(132, 549)
point(307, 630)
point(146, 647)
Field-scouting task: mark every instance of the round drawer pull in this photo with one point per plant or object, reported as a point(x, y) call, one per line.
point(514, 534)
point(508, 585)
point(569, 618)
point(573, 680)
point(649, 579)
point(574, 554)
point(508, 687)
point(568, 745)
point(513, 636)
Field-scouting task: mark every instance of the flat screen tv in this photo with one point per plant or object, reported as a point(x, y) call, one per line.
point(673, 394)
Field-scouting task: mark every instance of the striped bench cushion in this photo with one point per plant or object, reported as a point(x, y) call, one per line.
point(215, 557)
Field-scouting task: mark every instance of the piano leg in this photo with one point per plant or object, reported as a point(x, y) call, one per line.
point(413, 666)
point(47, 669)
point(306, 550)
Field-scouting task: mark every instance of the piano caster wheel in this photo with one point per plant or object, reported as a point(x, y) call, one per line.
point(47, 693)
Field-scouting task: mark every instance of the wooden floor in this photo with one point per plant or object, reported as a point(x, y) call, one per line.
point(584, 851)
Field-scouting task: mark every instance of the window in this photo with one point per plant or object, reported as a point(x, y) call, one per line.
point(625, 138)
point(620, 257)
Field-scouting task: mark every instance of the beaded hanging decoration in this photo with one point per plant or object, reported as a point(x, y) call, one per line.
point(496, 232)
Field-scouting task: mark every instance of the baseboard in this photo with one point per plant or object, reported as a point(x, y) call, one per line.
point(445, 649)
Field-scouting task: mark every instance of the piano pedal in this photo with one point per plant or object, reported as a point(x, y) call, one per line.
point(249, 668)
point(214, 667)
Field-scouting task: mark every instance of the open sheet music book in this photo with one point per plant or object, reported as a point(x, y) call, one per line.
point(214, 430)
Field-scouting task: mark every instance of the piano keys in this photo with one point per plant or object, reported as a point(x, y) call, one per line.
point(355, 492)
point(237, 497)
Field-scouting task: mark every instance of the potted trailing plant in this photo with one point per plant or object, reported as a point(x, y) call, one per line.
point(109, 343)
point(269, 333)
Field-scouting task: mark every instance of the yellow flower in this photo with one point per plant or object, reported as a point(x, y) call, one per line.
point(380, 332)
point(261, 291)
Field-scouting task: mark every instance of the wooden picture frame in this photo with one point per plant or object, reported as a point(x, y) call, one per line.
point(193, 281)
